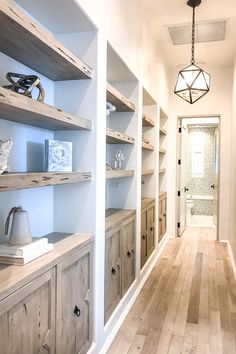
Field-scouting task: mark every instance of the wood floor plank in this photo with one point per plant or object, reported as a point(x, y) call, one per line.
point(188, 303)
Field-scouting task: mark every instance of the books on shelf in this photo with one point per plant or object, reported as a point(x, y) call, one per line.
point(20, 255)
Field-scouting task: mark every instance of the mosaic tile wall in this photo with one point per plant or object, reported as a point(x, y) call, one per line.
point(201, 185)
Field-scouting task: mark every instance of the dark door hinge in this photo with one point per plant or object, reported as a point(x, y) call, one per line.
point(179, 162)
point(178, 193)
point(180, 130)
point(178, 225)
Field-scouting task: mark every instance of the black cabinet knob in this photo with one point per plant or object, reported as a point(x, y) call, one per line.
point(185, 189)
point(213, 186)
point(77, 311)
point(129, 254)
point(151, 228)
point(113, 270)
point(144, 236)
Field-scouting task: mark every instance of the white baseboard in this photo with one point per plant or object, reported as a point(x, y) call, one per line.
point(116, 328)
point(231, 256)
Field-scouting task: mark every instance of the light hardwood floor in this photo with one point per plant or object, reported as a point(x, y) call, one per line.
point(188, 303)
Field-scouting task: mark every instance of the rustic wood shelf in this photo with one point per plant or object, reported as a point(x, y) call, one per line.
point(114, 137)
point(21, 109)
point(147, 171)
point(162, 131)
point(146, 146)
point(162, 151)
point(147, 121)
point(24, 40)
point(122, 103)
point(13, 181)
point(115, 217)
point(119, 173)
point(162, 170)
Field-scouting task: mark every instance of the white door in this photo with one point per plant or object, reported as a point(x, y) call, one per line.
point(214, 185)
point(182, 188)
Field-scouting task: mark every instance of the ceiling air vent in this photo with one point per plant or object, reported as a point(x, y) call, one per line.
point(209, 31)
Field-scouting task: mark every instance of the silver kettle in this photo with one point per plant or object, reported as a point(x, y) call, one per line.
point(20, 233)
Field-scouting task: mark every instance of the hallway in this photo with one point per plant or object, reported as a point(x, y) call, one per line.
point(187, 305)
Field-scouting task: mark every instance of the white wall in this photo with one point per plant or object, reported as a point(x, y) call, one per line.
point(232, 237)
point(216, 102)
point(122, 24)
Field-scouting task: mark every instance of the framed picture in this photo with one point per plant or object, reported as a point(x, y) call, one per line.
point(58, 156)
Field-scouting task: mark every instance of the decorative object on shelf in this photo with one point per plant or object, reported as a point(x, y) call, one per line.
point(192, 82)
point(5, 148)
point(118, 157)
point(25, 85)
point(58, 156)
point(20, 233)
point(145, 139)
point(110, 108)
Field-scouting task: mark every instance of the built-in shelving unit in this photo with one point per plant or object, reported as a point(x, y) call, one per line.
point(24, 40)
point(21, 109)
point(13, 181)
point(114, 137)
point(115, 217)
point(163, 150)
point(27, 47)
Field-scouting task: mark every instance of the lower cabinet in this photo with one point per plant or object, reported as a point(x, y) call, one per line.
point(162, 215)
point(27, 318)
point(51, 313)
point(147, 229)
point(74, 303)
point(119, 263)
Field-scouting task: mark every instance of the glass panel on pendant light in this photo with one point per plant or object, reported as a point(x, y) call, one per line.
point(185, 95)
point(200, 82)
point(190, 75)
point(181, 83)
point(196, 94)
point(207, 77)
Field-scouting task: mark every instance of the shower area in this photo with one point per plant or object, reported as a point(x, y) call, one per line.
point(201, 175)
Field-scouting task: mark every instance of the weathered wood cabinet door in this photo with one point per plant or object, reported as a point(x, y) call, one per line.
point(162, 217)
point(27, 318)
point(112, 270)
point(74, 303)
point(143, 238)
point(150, 230)
point(128, 254)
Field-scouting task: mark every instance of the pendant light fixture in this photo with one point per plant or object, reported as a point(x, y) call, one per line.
point(192, 82)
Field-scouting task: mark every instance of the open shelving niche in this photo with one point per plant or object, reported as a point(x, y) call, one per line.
point(31, 45)
point(123, 130)
point(163, 151)
point(122, 92)
point(150, 175)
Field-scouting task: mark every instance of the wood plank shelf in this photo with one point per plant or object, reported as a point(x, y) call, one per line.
point(147, 121)
point(21, 109)
point(122, 103)
point(13, 181)
point(146, 146)
point(147, 171)
point(162, 131)
point(162, 151)
point(162, 170)
point(119, 173)
point(114, 137)
point(115, 217)
point(24, 40)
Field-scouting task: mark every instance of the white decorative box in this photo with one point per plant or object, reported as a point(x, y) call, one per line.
point(58, 156)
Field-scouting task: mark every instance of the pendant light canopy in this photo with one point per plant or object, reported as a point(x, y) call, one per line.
point(192, 82)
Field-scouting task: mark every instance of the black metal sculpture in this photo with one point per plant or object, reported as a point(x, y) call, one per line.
point(25, 85)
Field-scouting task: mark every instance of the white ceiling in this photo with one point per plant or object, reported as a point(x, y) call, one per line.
point(159, 14)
